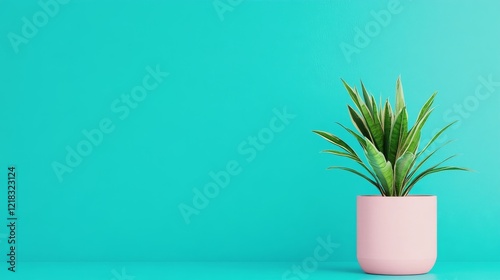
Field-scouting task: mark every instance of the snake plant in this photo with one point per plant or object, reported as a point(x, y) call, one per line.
point(390, 146)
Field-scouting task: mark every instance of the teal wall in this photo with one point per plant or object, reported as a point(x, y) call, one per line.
point(178, 96)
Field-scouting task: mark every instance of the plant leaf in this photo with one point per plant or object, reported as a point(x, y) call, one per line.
point(426, 108)
point(381, 167)
point(403, 166)
point(426, 158)
point(354, 95)
point(359, 174)
point(413, 137)
point(422, 174)
point(400, 99)
point(335, 141)
point(397, 133)
point(368, 101)
point(414, 144)
point(376, 116)
point(374, 127)
point(431, 171)
point(436, 136)
point(358, 137)
point(358, 122)
point(342, 154)
point(423, 115)
point(387, 127)
point(375, 108)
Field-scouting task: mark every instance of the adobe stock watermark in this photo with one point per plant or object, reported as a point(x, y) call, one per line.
point(322, 252)
point(223, 6)
point(363, 36)
point(30, 26)
point(121, 107)
point(248, 149)
point(463, 110)
point(121, 276)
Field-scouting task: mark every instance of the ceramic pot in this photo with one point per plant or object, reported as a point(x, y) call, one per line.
point(397, 235)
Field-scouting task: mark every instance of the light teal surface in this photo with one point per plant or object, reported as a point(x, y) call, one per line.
point(242, 271)
point(246, 84)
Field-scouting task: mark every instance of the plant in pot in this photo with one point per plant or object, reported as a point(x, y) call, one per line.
point(396, 232)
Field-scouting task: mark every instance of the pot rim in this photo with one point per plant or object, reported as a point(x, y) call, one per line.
point(396, 197)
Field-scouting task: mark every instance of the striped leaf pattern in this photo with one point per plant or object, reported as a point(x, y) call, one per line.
point(389, 144)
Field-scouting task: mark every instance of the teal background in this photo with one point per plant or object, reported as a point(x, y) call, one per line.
point(225, 79)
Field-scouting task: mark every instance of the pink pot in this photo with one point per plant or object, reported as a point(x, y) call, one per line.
point(397, 235)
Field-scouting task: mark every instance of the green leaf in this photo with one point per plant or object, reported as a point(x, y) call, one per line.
point(423, 115)
point(354, 95)
point(387, 127)
point(423, 173)
point(397, 133)
point(379, 119)
point(358, 137)
point(381, 105)
point(431, 171)
point(390, 148)
point(426, 158)
point(413, 137)
point(400, 99)
point(358, 122)
point(342, 154)
point(378, 125)
point(374, 127)
point(359, 174)
point(403, 166)
point(335, 141)
point(404, 131)
point(436, 136)
point(339, 143)
point(427, 107)
point(382, 116)
point(375, 106)
point(361, 141)
point(414, 144)
point(368, 100)
point(381, 167)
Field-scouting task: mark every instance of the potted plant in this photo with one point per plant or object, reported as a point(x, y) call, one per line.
point(396, 232)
